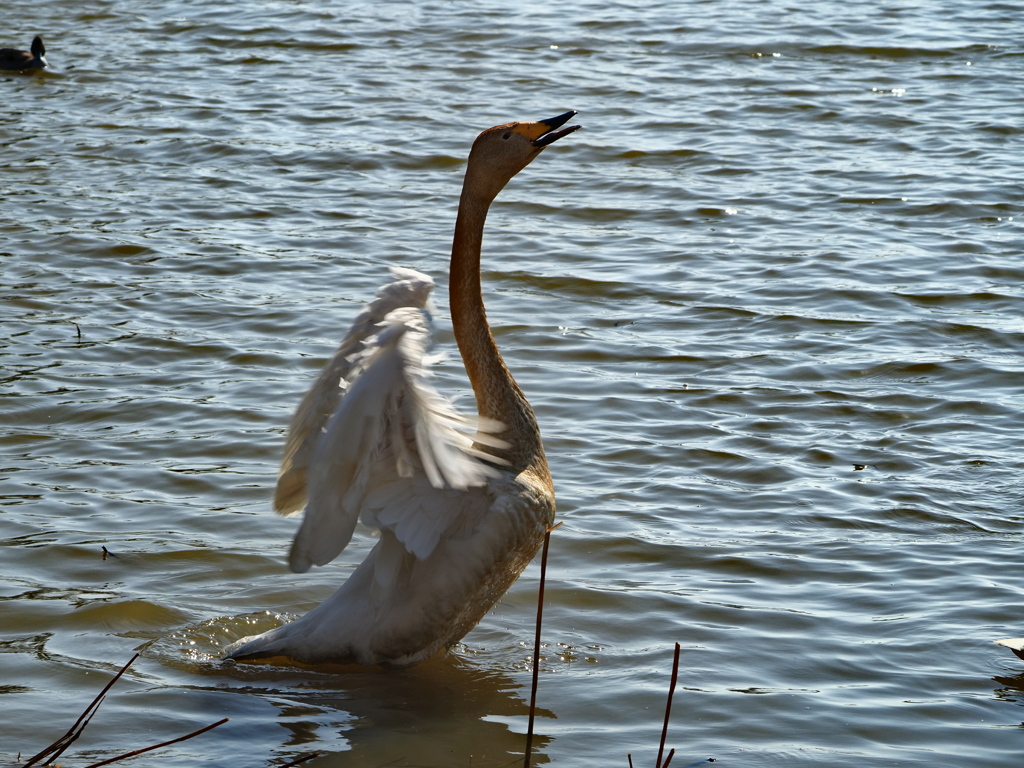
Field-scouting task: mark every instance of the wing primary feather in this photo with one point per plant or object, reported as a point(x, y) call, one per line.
point(408, 289)
point(388, 428)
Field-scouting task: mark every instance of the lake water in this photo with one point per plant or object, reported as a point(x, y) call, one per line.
point(786, 244)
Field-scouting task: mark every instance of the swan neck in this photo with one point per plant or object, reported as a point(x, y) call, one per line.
point(498, 396)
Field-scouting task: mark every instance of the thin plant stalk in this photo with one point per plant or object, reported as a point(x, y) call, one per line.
point(126, 755)
point(536, 645)
point(668, 711)
point(60, 745)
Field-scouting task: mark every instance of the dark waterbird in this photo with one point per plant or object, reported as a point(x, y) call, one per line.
point(1015, 644)
point(13, 60)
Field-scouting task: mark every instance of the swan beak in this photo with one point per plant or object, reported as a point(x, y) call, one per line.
point(543, 132)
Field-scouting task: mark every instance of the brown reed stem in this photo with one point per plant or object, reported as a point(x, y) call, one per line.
point(126, 755)
point(668, 711)
point(60, 745)
point(536, 644)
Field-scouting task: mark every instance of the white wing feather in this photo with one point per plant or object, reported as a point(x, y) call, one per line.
point(409, 289)
point(393, 451)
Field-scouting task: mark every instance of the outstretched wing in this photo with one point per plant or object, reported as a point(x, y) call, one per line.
point(409, 289)
point(393, 450)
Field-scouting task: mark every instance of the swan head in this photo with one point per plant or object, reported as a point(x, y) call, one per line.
point(499, 153)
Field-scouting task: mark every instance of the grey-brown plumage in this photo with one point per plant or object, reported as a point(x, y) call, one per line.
point(461, 503)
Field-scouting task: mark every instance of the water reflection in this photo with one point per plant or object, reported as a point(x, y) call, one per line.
point(441, 713)
point(1013, 687)
point(444, 711)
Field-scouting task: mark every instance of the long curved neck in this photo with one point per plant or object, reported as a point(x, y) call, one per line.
point(497, 394)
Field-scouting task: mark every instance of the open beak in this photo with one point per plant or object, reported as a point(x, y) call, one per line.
point(549, 126)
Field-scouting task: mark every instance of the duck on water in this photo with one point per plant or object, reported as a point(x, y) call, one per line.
point(13, 60)
point(462, 504)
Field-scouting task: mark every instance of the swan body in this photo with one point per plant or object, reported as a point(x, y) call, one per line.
point(14, 60)
point(461, 504)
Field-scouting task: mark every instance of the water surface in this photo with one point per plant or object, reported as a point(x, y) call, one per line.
point(767, 305)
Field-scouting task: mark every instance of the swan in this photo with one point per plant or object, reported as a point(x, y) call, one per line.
point(461, 504)
point(14, 60)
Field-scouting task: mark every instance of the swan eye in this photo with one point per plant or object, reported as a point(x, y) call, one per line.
point(509, 133)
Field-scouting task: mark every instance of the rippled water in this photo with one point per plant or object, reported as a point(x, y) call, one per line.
point(786, 244)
